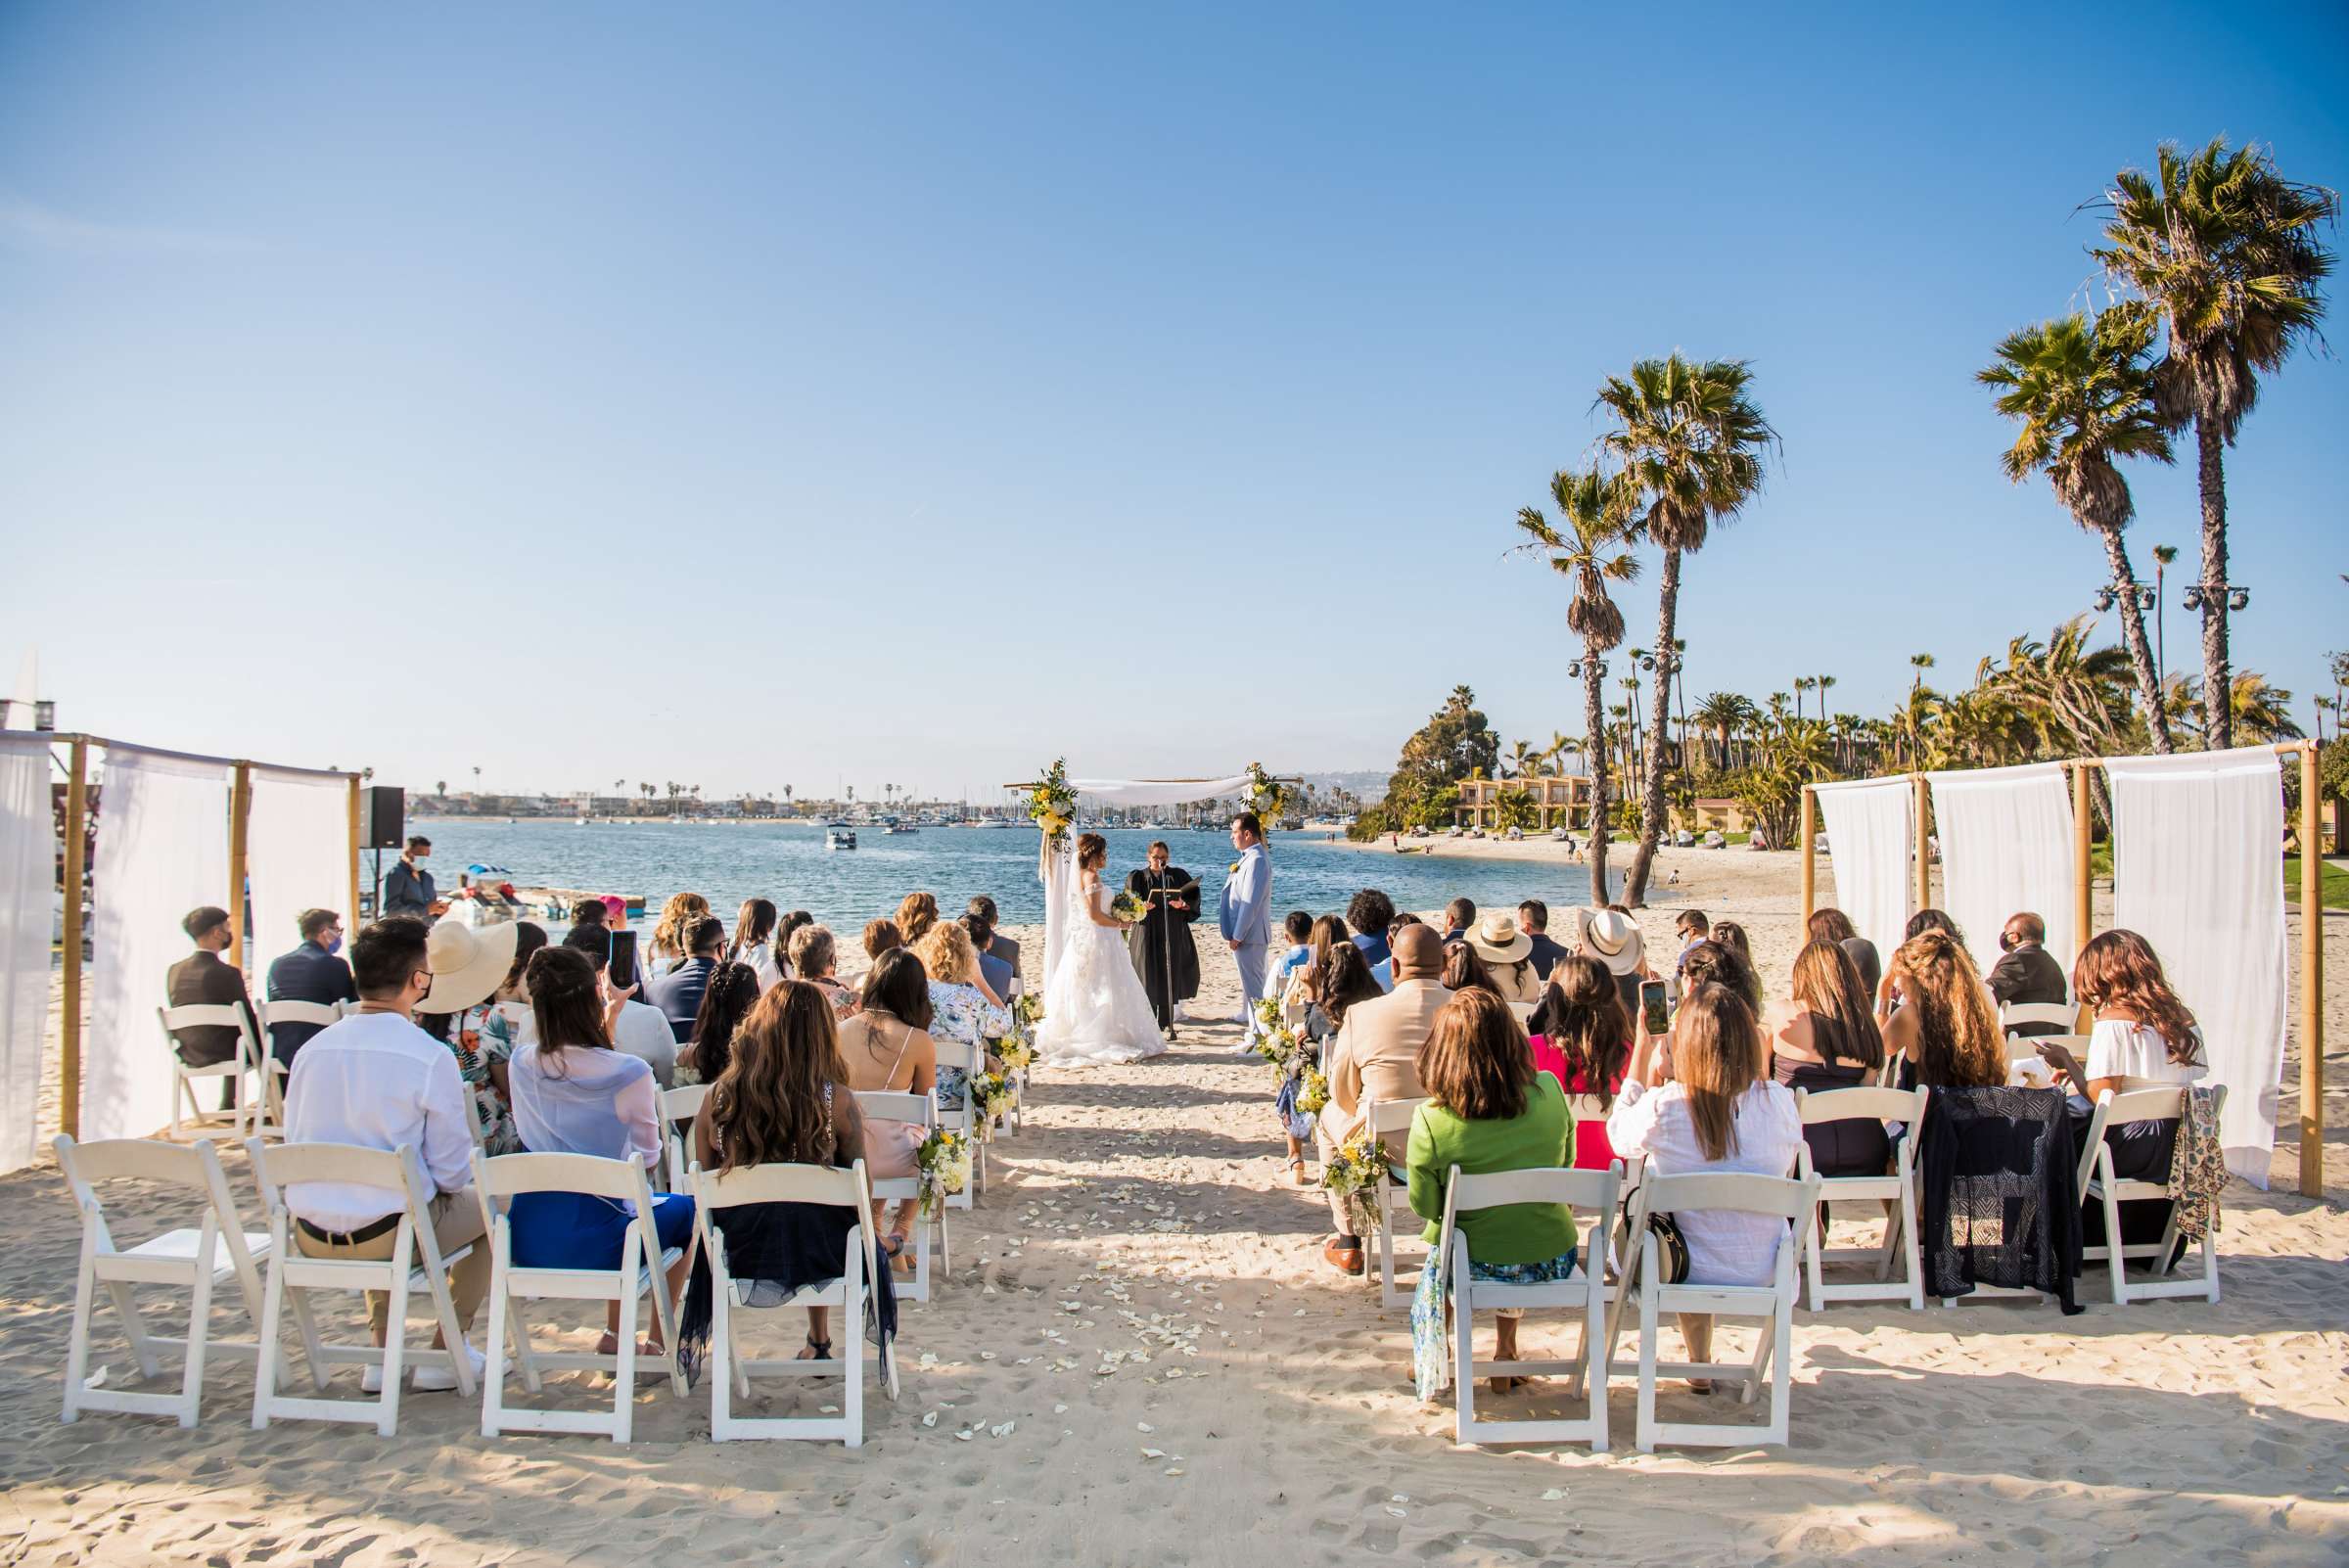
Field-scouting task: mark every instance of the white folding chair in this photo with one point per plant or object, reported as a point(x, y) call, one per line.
point(730, 1371)
point(962, 1118)
point(2063, 1015)
point(2099, 1185)
point(246, 1115)
point(1585, 1291)
point(190, 1259)
point(1777, 1197)
point(1897, 1192)
point(274, 1013)
point(1391, 1197)
point(919, 1110)
point(2023, 1064)
point(642, 1270)
point(416, 1264)
point(679, 1107)
point(1521, 1011)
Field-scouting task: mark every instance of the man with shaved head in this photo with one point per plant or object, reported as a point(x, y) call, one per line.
point(1375, 1057)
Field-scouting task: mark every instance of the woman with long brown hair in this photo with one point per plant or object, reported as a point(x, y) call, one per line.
point(677, 916)
point(1712, 1108)
point(917, 912)
point(1947, 1028)
point(886, 1051)
point(753, 942)
point(2142, 1031)
point(1582, 1037)
point(734, 989)
point(1823, 1037)
point(783, 1099)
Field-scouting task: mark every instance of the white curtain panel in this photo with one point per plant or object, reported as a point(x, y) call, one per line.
point(162, 849)
point(1869, 824)
point(1056, 868)
point(296, 857)
point(2006, 847)
point(27, 906)
point(1157, 791)
point(2196, 871)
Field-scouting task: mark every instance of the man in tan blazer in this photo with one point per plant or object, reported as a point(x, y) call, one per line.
point(1375, 1057)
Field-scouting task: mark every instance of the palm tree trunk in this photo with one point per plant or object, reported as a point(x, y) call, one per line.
point(1651, 814)
point(2133, 634)
point(2217, 686)
point(1593, 725)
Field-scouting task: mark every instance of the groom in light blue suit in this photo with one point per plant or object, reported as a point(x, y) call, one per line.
point(1245, 916)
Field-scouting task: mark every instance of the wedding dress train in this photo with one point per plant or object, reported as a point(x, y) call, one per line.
point(1095, 1012)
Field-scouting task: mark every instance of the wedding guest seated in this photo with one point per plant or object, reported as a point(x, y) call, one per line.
point(733, 990)
point(1370, 913)
point(1730, 935)
point(881, 936)
point(792, 925)
point(2144, 1032)
point(1612, 937)
point(2026, 973)
point(916, 914)
point(1690, 926)
point(1834, 925)
point(784, 1099)
point(1487, 1112)
point(961, 1010)
point(1946, 1032)
point(1458, 916)
point(677, 993)
point(884, 1053)
point(203, 978)
point(1298, 927)
point(1306, 981)
point(1463, 970)
point(377, 1081)
point(638, 1030)
point(575, 1094)
point(1507, 955)
point(754, 941)
point(1000, 944)
point(673, 933)
point(1822, 1036)
point(1708, 963)
point(814, 959)
point(313, 972)
point(993, 972)
point(1711, 1106)
point(1374, 1056)
point(484, 1033)
point(1581, 1036)
point(1533, 918)
point(587, 932)
point(896, 995)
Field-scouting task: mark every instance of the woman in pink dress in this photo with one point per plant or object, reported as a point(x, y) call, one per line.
point(1582, 1038)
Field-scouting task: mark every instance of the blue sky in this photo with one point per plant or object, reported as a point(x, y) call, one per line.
point(765, 394)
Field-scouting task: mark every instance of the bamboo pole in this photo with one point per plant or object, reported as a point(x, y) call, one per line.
point(2312, 982)
point(351, 915)
point(2084, 901)
point(77, 810)
point(1810, 839)
point(239, 815)
point(1924, 856)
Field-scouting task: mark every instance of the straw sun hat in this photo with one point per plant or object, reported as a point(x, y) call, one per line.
point(1612, 938)
point(468, 963)
point(1497, 941)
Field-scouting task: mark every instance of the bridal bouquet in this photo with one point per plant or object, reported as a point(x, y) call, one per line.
point(990, 1098)
point(944, 1163)
point(1313, 1093)
point(1353, 1174)
point(1128, 907)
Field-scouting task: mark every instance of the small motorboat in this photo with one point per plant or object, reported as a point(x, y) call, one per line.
point(839, 838)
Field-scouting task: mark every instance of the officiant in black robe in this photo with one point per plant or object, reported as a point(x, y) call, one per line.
point(1162, 945)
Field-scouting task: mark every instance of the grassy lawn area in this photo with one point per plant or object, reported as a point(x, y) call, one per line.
point(2336, 884)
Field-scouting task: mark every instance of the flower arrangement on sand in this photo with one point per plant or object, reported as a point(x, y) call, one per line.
point(990, 1098)
point(1353, 1174)
point(944, 1163)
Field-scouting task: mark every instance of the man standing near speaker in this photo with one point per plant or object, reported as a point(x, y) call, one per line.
point(408, 890)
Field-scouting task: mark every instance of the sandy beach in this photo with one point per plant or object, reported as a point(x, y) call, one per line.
point(1140, 1359)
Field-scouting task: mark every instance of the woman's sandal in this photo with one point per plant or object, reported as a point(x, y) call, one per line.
point(1297, 1170)
point(821, 1350)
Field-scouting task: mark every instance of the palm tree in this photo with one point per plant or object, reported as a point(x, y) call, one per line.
point(1690, 439)
point(2085, 395)
point(1521, 760)
point(1726, 713)
point(1802, 684)
point(1823, 682)
point(2261, 712)
point(1591, 551)
point(440, 787)
point(2224, 251)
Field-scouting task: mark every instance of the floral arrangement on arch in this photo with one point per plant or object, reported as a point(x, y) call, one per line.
point(1268, 797)
point(1052, 804)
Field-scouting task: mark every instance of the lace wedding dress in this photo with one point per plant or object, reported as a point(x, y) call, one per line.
point(1095, 1012)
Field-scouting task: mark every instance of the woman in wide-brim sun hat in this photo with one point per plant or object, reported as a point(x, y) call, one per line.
point(1613, 939)
point(1507, 953)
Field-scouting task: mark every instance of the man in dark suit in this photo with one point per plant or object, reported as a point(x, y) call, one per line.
point(408, 887)
point(678, 993)
point(1458, 916)
point(314, 972)
point(203, 978)
point(2027, 973)
point(1533, 918)
point(1000, 944)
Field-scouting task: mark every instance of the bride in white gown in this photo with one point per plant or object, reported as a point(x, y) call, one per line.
point(1095, 1012)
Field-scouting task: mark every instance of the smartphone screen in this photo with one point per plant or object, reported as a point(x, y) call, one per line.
point(1651, 1006)
point(624, 958)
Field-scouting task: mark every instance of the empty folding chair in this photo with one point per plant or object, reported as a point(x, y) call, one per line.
point(217, 1249)
point(1586, 1292)
point(678, 1108)
point(1772, 1305)
point(731, 1371)
point(2099, 1185)
point(1391, 1198)
point(920, 1111)
point(1897, 1191)
point(251, 1110)
point(416, 1264)
point(642, 1270)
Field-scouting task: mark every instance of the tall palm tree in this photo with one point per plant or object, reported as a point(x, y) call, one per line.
point(2085, 395)
point(1690, 439)
point(1591, 550)
point(2224, 249)
point(1823, 682)
point(1802, 684)
point(1521, 760)
point(1727, 714)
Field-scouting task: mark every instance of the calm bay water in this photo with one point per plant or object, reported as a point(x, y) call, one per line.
point(789, 863)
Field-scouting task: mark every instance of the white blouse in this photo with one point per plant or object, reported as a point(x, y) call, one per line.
point(2120, 1048)
point(761, 956)
point(584, 1101)
point(1725, 1246)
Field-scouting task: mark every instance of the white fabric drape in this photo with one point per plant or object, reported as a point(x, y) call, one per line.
point(2196, 871)
point(1056, 870)
point(162, 849)
point(296, 857)
point(1870, 826)
point(27, 899)
point(1157, 791)
point(2006, 847)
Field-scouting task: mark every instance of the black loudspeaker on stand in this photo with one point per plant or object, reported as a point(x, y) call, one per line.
point(383, 817)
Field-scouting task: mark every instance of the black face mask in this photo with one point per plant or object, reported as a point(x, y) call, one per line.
point(2008, 942)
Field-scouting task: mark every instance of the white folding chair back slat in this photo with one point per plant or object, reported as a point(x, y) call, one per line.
point(217, 1251)
point(246, 1115)
point(1896, 1190)
point(1391, 1198)
point(915, 1110)
point(2063, 1015)
point(416, 1264)
point(962, 1119)
point(679, 1109)
point(2099, 1185)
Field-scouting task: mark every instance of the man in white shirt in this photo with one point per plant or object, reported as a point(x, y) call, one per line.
point(376, 1080)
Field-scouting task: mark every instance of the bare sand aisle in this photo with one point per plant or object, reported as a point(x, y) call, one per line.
point(1141, 1359)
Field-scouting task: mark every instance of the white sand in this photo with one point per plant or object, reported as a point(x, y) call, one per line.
point(2176, 1431)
